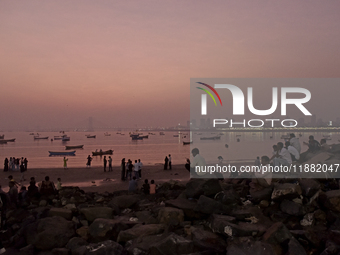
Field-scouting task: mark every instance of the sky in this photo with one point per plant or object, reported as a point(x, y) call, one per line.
point(129, 63)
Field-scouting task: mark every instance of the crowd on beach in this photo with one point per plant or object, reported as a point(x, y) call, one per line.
point(13, 164)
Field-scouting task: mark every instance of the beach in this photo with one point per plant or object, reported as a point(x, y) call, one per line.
point(94, 179)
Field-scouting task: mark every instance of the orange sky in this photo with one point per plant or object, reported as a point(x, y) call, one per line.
point(128, 63)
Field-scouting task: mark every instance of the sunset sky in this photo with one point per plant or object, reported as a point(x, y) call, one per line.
point(129, 63)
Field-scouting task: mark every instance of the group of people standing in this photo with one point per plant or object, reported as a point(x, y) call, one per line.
point(107, 161)
point(128, 167)
point(167, 162)
point(15, 164)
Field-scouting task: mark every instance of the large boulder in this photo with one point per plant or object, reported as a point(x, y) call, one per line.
point(309, 187)
point(103, 229)
point(124, 201)
point(207, 187)
point(292, 208)
point(170, 216)
point(75, 243)
point(108, 247)
point(49, 233)
point(92, 213)
point(206, 240)
point(333, 200)
point(261, 195)
point(140, 230)
point(172, 244)
point(188, 207)
point(208, 205)
point(65, 213)
point(146, 217)
point(286, 191)
point(249, 247)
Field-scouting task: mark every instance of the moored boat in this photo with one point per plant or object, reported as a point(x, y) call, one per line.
point(69, 147)
point(107, 134)
point(9, 140)
point(99, 153)
point(3, 142)
point(91, 136)
point(40, 137)
point(66, 138)
point(185, 143)
point(62, 153)
point(211, 138)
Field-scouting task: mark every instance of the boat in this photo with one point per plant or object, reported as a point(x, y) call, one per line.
point(3, 142)
point(91, 136)
point(99, 153)
point(2, 136)
point(107, 134)
point(59, 137)
point(161, 133)
point(144, 136)
point(69, 147)
point(136, 137)
point(66, 138)
point(62, 153)
point(176, 135)
point(185, 143)
point(9, 140)
point(118, 133)
point(211, 138)
point(40, 137)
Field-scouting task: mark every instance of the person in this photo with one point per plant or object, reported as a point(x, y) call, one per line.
point(89, 159)
point(187, 165)
point(293, 151)
point(122, 167)
point(6, 165)
point(5, 203)
point(65, 162)
point(47, 188)
point(261, 179)
point(274, 153)
point(283, 156)
point(166, 160)
point(22, 170)
point(169, 161)
point(136, 169)
point(324, 146)
point(133, 184)
point(153, 187)
point(198, 160)
point(257, 161)
point(105, 162)
point(22, 197)
point(313, 145)
point(110, 164)
point(10, 164)
point(25, 161)
point(13, 194)
point(59, 184)
point(146, 187)
point(32, 190)
point(294, 141)
point(140, 165)
point(11, 179)
point(129, 167)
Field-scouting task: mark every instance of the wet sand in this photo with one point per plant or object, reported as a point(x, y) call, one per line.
point(94, 179)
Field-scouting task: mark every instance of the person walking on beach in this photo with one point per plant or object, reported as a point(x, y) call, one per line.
point(110, 164)
point(89, 159)
point(105, 162)
point(166, 160)
point(135, 169)
point(6, 165)
point(140, 165)
point(122, 167)
point(65, 162)
point(169, 161)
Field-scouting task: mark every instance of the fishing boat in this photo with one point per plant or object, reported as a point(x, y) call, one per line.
point(9, 140)
point(136, 137)
point(144, 136)
point(161, 133)
point(91, 136)
point(69, 147)
point(99, 153)
point(62, 153)
point(40, 137)
point(59, 137)
point(211, 138)
point(66, 139)
point(118, 133)
point(107, 134)
point(185, 143)
point(3, 142)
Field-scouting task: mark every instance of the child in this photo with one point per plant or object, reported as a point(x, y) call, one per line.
point(146, 187)
point(152, 187)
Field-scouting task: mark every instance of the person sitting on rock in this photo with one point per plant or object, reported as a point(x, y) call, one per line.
point(146, 187)
point(153, 187)
point(282, 157)
point(33, 190)
point(22, 197)
point(133, 185)
point(293, 152)
point(262, 179)
point(47, 188)
point(313, 145)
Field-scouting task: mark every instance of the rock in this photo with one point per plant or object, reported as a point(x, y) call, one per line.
point(333, 200)
point(65, 213)
point(206, 240)
point(197, 187)
point(247, 246)
point(42, 203)
point(146, 217)
point(27, 250)
point(217, 222)
point(277, 234)
point(103, 229)
point(295, 248)
point(49, 233)
point(207, 205)
point(291, 208)
point(309, 187)
point(286, 191)
point(70, 206)
point(108, 247)
point(60, 251)
point(93, 213)
point(170, 215)
point(125, 201)
point(75, 243)
point(172, 244)
point(188, 207)
point(228, 197)
point(259, 195)
point(264, 204)
point(140, 230)
point(307, 220)
point(83, 232)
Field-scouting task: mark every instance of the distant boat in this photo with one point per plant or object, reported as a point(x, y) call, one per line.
point(66, 139)
point(91, 136)
point(107, 134)
point(3, 142)
point(59, 137)
point(211, 138)
point(185, 143)
point(161, 133)
point(2, 136)
point(40, 137)
point(176, 135)
point(9, 140)
point(62, 153)
point(99, 153)
point(69, 147)
point(136, 137)
point(144, 136)
point(118, 133)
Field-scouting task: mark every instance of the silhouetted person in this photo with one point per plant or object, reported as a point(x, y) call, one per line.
point(47, 188)
point(122, 167)
point(105, 162)
point(32, 190)
point(89, 159)
point(110, 164)
point(169, 161)
point(13, 194)
point(25, 161)
point(166, 161)
point(6, 165)
point(313, 145)
point(146, 187)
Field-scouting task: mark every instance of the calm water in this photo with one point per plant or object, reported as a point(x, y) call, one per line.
point(151, 151)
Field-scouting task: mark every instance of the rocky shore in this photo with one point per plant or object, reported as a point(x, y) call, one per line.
point(205, 216)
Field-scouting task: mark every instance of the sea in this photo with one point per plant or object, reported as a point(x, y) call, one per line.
point(234, 147)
